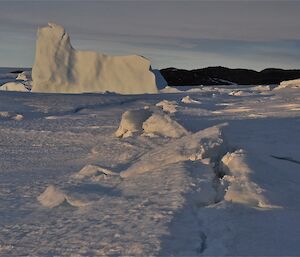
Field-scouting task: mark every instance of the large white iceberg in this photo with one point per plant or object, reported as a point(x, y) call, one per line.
point(59, 68)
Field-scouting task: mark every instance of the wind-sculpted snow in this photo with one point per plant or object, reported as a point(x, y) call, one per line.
point(53, 197)
point(59, 68)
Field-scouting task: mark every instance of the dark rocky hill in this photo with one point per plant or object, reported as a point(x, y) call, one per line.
point(225, 76)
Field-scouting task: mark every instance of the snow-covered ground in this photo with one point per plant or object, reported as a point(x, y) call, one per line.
point(226, 184)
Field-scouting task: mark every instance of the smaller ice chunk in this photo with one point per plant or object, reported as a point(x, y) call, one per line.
point(52, 197)
point(132, 121)
point(163, 125)
point(188, 100)
point(14, 86)
point(168, 106)
point(25, 76)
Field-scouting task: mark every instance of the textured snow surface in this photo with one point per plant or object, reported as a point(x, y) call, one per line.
point(229, 185)
point(59, 68)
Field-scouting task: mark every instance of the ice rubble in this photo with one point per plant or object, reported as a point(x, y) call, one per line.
point(207, 143)
point(144, 120)
point(289, 84)
point(242, 189)
point(59, 68)
point(23, 83)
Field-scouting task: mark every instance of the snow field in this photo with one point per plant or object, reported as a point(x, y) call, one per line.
point(69, 186)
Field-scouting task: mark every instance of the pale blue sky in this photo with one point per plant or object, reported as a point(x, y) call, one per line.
point(183, 34)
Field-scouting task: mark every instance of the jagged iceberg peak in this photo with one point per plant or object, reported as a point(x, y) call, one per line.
point(59, 68)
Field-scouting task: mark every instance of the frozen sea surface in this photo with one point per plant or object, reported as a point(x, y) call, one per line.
point(229, 189)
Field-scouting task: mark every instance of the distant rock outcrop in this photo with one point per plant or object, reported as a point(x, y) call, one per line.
point(226, 76)
point(59, 68)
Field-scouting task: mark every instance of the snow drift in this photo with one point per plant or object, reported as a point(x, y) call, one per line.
point(59, 68)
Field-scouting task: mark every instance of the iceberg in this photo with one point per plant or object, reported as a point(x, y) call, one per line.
point(59, 68)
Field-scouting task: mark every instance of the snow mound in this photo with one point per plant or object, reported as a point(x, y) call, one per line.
point(14, 86)
point(93, 171)
point(289, 84)
point(168, 106)
point(163, 125)
point(18, 117)
point(25, 75)
point(53, 197)
point(205, 144)
point(188, 100)
point(132, 121)
point(241, 189)
point(59, 68)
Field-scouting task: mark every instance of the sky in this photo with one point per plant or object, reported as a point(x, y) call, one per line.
point(183, 34)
